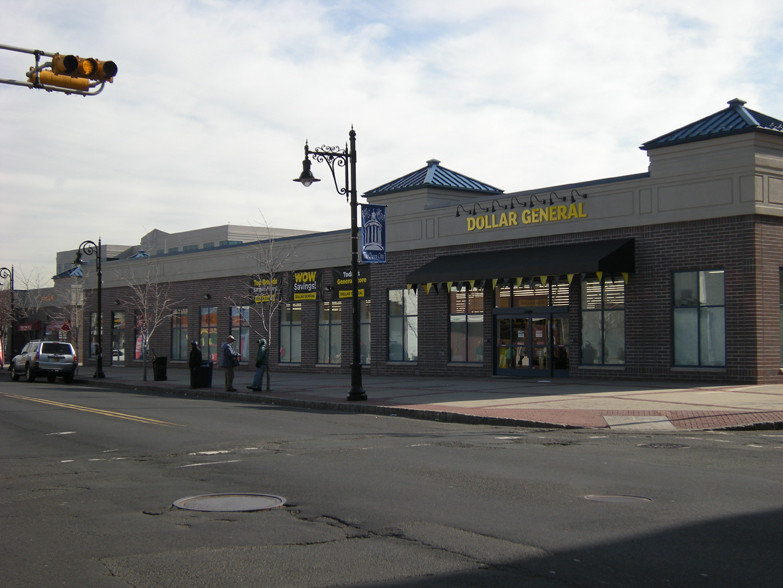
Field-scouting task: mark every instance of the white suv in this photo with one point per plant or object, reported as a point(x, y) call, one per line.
point(45, 358)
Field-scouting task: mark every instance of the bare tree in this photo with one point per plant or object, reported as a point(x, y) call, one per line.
point(269, 287)
point(152, 303)
point(69, 306)
point(28, 298)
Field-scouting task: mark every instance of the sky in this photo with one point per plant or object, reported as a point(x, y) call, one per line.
point(206, 120)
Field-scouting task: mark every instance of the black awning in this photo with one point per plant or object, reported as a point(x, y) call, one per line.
point(615, 256)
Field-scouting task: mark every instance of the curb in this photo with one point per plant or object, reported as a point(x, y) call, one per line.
point(382, 410)
point(325, 405)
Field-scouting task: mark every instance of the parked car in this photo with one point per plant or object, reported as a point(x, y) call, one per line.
point(45, 358)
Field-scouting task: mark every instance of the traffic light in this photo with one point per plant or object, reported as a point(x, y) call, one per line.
point(83, 67)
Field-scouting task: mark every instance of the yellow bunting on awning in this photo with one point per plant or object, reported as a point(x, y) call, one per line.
point(472, 283)
point(600, 275)
point(570, 277)
point(519, 282)
point(494, 283)
point(625, 277)
point(543, 279)
point(427, 288)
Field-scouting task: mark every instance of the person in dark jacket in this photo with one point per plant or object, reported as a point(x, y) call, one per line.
point(262, 360)
point(194, 362)
point(228, 359)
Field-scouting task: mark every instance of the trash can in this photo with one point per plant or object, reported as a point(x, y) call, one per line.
point(159, 369)
point(205, 375)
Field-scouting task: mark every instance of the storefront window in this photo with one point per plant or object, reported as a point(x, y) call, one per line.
point(403, 325)
point(139, 335)
point(466, 325)
point(208, 333)
point(240, 329)
point(93, 334)
point(179, 334)
point(553, 293)
point(699, 319)
point(364, 331)
point(603, 322)
point(117, 338)
point(291, 333)
point(329, 332)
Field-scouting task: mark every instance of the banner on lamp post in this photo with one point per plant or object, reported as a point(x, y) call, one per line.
point(373, 233)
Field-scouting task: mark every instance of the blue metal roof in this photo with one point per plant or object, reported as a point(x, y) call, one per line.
point(74, 272)
point(434, 176)
point(733, 120)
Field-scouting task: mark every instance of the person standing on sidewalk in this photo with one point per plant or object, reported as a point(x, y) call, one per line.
point(262, 359)
point(194, 362)
point(228, 360)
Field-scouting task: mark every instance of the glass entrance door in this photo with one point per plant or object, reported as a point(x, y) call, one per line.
point(532, 343)
point(539, 344)
point(511, 344)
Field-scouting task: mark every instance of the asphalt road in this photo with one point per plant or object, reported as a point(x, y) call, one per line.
point(89, 477)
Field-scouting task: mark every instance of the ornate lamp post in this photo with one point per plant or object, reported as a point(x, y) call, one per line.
point(6, 273)
point(90, 248)
point(345, 158)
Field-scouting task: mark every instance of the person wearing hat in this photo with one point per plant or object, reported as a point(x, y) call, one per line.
point(194, 362)
point(228, 359)
point(262, 359)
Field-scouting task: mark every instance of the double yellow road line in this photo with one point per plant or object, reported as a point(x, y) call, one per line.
point(108, 413)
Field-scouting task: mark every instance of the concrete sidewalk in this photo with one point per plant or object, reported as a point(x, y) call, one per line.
point(563, 402)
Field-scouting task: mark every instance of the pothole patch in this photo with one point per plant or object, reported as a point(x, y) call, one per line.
point(617, 498)
point(230, 502)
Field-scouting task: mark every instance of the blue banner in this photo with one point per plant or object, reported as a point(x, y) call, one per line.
point(373, 233)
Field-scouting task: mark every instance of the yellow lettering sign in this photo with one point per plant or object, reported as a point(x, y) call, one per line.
point(548, 214)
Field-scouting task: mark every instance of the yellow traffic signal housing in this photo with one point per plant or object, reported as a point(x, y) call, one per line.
point(105, 70)
point(50, 79)
point(83, 67)
point(64, 64)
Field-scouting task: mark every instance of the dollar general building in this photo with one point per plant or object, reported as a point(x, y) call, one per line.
point(671, 274)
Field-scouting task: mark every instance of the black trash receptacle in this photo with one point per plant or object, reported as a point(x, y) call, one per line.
point(205, 375)
point(159, 369)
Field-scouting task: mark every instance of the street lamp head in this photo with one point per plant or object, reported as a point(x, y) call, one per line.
point(78, 259)
point(306, 178)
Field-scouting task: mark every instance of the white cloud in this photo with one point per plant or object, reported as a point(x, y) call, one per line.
point(214, 99)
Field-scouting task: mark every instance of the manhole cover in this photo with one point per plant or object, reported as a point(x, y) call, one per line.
point(616, 498)
point(230, 502)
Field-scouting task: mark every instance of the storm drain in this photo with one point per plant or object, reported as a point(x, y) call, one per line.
point(619, 498)
point(230, 502)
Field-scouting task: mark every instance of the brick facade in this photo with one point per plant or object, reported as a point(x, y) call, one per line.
point(747, 248)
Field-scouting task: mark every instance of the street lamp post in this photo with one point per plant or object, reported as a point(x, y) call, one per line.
point(345, 158)
point(9, 273)
point(90, 248)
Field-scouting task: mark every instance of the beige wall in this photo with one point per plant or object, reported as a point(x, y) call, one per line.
point(719, 178)
point(724, 177)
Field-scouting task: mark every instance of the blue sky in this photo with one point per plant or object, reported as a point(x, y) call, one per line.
point(214, 99)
